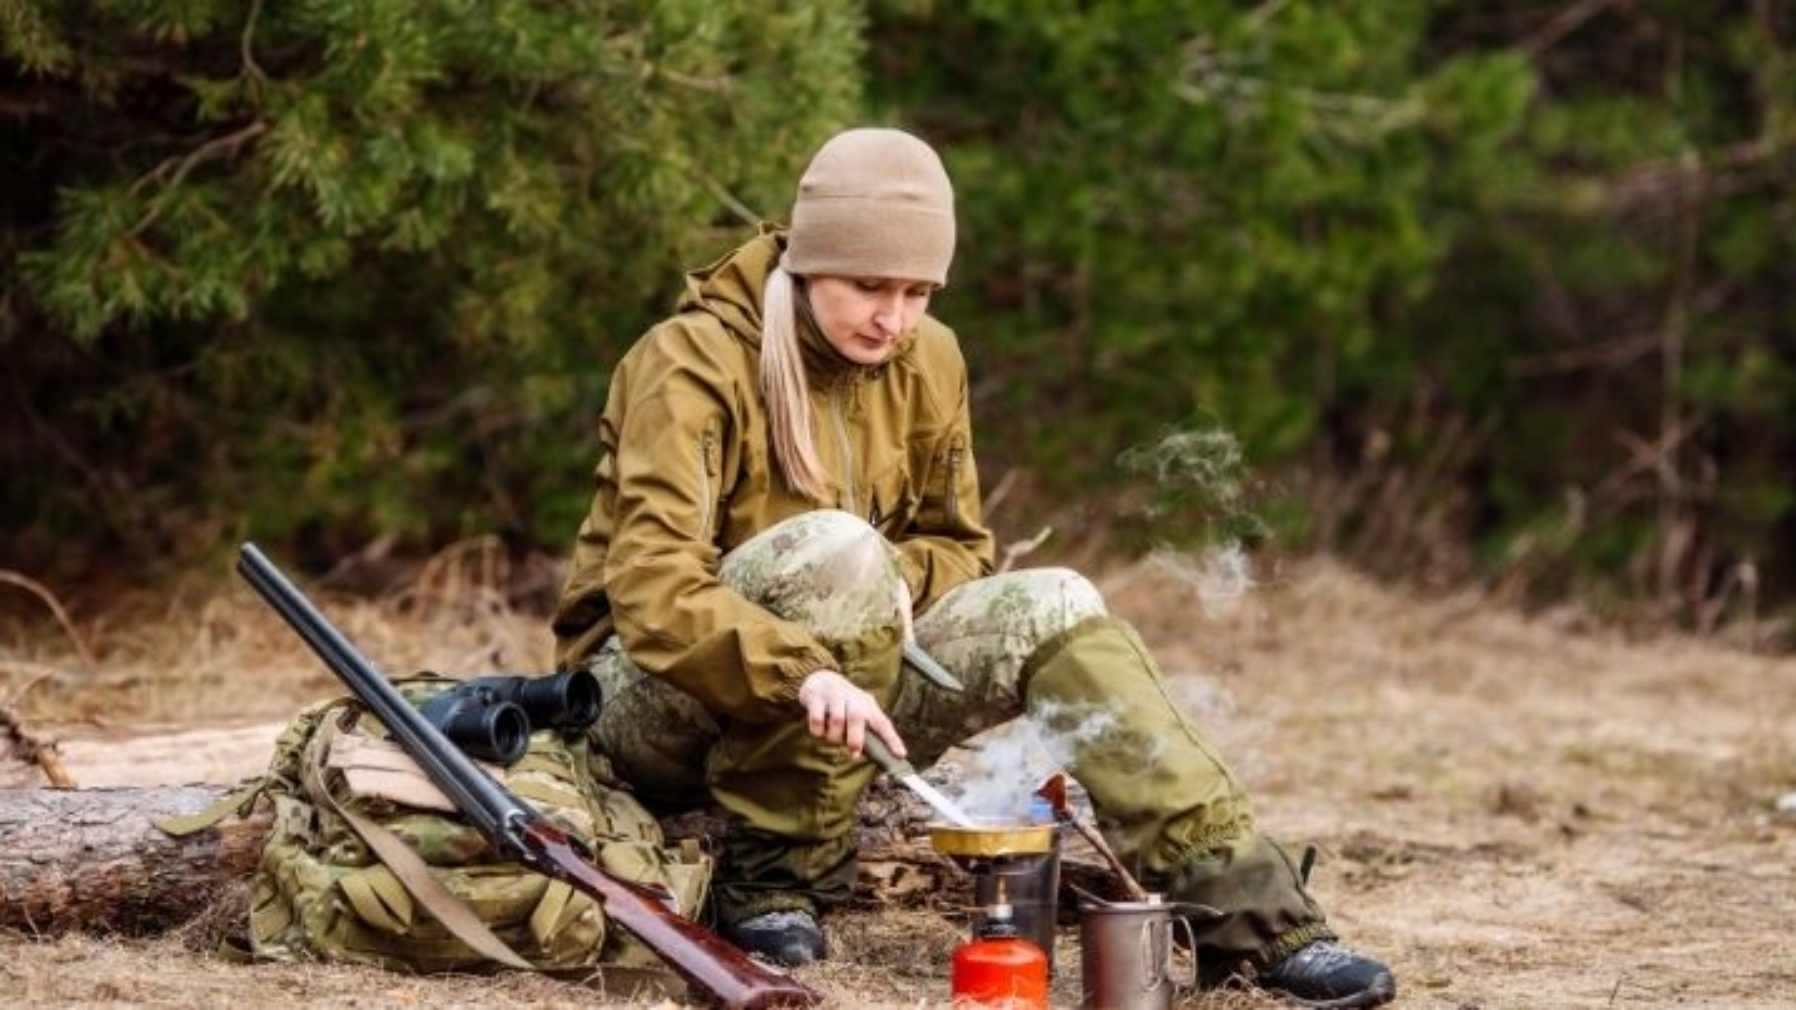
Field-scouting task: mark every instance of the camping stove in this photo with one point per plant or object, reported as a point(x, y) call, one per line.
point(1011, 864)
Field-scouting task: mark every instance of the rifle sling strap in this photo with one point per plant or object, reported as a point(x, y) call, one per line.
point(411, 871)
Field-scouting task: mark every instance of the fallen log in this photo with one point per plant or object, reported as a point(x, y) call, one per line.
point(91, 860)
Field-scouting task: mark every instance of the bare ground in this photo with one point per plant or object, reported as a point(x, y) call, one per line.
point(1514, 812)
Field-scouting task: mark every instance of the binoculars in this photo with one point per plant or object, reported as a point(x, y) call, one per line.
point(491, 718)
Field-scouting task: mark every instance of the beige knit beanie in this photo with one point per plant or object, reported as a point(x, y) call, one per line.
point(873, 203)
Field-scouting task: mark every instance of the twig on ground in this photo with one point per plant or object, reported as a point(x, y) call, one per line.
point(38, 672)
point(29, 748)
point(1115, 582)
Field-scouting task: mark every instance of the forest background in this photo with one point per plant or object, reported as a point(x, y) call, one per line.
point(1494, 291)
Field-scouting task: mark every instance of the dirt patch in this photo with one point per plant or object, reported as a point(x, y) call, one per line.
point(1513, 814)
point(1516, 816)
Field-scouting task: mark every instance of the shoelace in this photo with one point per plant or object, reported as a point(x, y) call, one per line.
point(780, 920)
point(1322, 957)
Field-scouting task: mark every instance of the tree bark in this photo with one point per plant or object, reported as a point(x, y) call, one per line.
point(90, 858)
point(73, 860)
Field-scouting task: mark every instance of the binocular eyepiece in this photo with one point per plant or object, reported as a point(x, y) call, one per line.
point(491, 718)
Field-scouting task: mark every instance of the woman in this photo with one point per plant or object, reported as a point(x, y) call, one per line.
point(786, 466)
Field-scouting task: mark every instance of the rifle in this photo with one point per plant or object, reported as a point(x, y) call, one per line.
point(710, 964)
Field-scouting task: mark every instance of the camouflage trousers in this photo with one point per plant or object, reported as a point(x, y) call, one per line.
point(1038, 640)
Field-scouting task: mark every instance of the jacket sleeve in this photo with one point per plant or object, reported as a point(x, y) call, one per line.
point(947, 543)
point(675, 618)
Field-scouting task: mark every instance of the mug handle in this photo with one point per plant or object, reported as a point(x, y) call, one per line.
point(1154, 965)
point(1189, 985)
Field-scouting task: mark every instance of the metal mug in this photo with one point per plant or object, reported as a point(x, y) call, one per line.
point(1126, 954)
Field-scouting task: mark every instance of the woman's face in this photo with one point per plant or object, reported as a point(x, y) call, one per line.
point(863, 317)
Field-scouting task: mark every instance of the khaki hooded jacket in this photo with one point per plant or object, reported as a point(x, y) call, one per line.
point(686, 473)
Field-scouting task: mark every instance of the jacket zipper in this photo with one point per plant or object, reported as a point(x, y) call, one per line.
point(847, 450)
point(708, 503)
point(951, 493)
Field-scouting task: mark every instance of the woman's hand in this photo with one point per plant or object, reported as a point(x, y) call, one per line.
point(841, 713)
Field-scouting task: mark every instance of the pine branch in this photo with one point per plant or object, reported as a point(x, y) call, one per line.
point(215, 148)
point(25, 103)
point(1564, 23)
point(715, 85)
point(251, 70)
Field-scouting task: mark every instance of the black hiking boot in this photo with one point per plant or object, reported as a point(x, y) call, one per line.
point(1328, 976)
point(789, 938)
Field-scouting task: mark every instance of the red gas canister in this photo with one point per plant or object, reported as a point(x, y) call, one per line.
point(1000, 968)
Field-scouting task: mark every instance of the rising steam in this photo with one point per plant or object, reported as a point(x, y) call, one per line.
point(1200, 488)
point(1012, 760)
point(1204, 464)
point(1221, 574)
point(1199, 491)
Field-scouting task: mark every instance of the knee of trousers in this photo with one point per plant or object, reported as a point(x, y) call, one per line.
point(827, 570)
point(1061, 597)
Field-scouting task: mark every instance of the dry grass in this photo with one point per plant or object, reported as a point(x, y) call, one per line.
point(210, 651)
point(1516, 813)
point(92, 972)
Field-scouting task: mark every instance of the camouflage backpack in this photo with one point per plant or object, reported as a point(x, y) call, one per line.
point(322, 892)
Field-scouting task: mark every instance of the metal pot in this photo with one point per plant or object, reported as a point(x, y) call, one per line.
point(991, 838)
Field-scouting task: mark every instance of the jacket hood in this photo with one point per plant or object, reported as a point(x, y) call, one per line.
point(730, 289)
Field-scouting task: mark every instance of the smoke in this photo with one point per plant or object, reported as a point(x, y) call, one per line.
point(1200, 489)
point(999, 780)
point(1199, 495)
point(1222, 575)
point(1243, 739)
point(1204, 464)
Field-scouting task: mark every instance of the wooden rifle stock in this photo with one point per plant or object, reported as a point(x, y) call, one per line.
point(711, 964)
point(708, 962)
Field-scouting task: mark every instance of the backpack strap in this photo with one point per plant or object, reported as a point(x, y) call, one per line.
point(239, 801)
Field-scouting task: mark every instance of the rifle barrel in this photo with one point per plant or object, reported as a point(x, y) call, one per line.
point(481, 799)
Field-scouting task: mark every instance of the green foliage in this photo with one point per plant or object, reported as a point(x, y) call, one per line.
point(347, 267)
point(1170, 209)
point(1635, 347)
point(1507, 281)
point(1475, 260)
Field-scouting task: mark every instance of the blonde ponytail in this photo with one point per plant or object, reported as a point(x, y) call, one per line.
point(784, 388)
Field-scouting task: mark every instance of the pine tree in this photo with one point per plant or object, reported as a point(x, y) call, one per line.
point(347, 267)
point(1184, 214)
